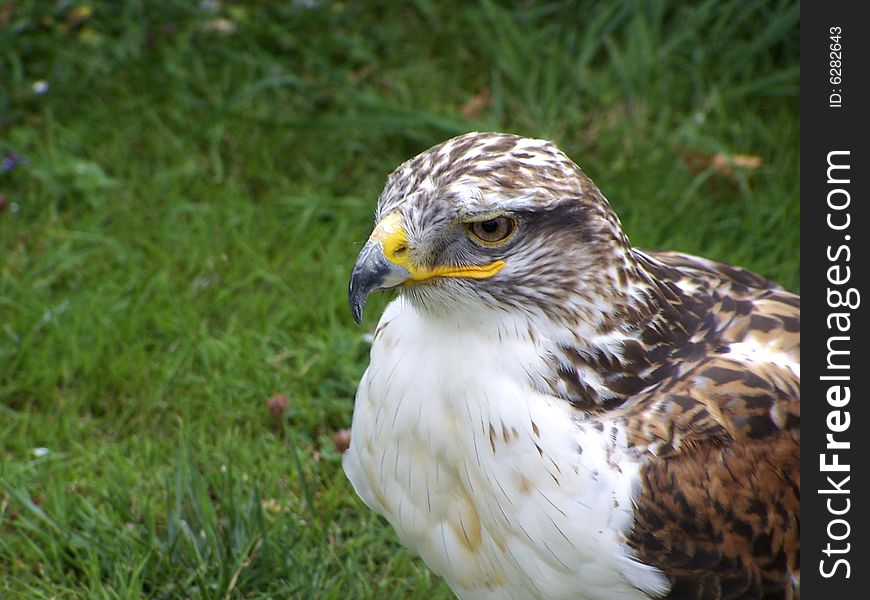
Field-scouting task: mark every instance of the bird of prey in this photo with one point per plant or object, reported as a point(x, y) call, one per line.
point(552, 413)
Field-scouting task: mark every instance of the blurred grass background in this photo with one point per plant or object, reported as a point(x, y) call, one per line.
point(183, 191)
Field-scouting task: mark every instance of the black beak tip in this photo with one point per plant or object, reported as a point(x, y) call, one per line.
point(357, 311)
point(357, 302)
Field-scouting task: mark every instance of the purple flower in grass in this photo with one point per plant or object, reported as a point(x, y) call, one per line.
point(12, 160)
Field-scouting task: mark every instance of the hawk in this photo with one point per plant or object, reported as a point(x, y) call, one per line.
point(552, 413)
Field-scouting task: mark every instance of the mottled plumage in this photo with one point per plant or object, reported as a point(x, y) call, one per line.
point(552, 413)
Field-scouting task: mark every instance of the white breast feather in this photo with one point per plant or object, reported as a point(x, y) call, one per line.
point(482, 475)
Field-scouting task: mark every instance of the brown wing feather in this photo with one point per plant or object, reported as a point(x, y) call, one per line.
point(719, 507)
point(718, 510)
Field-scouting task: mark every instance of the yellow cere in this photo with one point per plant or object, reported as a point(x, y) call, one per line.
point(390, 232)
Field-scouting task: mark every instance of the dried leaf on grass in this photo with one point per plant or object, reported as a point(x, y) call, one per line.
point(721, 164)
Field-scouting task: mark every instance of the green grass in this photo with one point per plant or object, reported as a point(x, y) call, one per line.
point(176, 249)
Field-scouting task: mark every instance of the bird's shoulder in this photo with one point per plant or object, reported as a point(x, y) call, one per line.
point(739, 302)
point(718, 506)
point(725, 352)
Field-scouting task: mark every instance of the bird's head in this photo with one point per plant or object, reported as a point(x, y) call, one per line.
point(496, 221)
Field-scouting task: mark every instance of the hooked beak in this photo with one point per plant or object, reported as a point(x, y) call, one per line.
point(382, 263)
point(372, 272)
point(385, 262)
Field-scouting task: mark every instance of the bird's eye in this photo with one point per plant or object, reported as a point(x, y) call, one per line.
point(493, 231)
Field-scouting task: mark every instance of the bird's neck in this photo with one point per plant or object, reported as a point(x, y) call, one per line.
point(601, 364)
point(620, 336)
